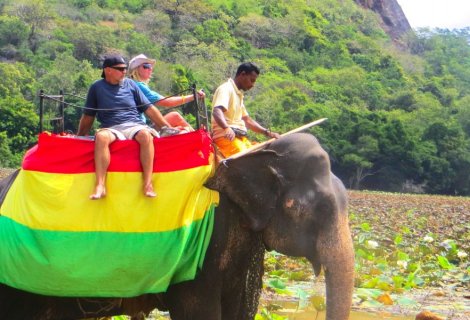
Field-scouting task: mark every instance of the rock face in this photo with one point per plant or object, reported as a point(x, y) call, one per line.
point(393, 18)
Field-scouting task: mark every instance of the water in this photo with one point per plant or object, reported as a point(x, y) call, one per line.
point(289, 310)
point(313, 315)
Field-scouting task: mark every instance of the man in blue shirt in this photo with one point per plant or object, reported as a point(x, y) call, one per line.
point(117, 102)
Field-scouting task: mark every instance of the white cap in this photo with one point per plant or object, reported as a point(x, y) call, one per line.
point(138, 60)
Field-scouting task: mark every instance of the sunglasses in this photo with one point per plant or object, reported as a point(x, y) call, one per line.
point(147, 66)
point(122, 69)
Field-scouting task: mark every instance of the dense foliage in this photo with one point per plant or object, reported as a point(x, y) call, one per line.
point(399, 113)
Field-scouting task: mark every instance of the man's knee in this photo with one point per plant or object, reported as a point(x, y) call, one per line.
point(143, 137)
point(104, 137)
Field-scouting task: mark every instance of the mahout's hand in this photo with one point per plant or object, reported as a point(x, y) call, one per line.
point(229, 133)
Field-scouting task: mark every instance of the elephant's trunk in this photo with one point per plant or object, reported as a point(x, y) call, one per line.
point(337, 258)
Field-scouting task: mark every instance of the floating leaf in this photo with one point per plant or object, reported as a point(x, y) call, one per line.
point(282, 291)
point(259, 317)
point(277, 273)
point(384, 286)
point(406, 302)
point(368, 293)
point(406, 230)
point(303, 298)
point(398, 240)
point(385, 299)
point(372, 283)
point(376, 271)
point(402, 256)
point(398, 281)
point(382, 266)
point(318, 302)
point(302, 294)
point(361, 253)
point(371, 304)
point(276, 283)
point(277, 317)
point(298, 276)
point(444, 263)
point(361, 238)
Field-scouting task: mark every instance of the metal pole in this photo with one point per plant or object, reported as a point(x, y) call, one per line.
point(41, 108)
point(205, 115)
point(196, 106)
point(61, 110)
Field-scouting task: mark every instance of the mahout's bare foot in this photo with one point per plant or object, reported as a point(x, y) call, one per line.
point(100, 192)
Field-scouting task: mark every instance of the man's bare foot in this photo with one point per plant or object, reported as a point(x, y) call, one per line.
point(149, 192)
point(100, 192)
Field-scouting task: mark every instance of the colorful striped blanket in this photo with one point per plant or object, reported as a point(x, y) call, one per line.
point(55, 241)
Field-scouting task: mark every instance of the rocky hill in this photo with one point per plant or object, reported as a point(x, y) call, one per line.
point(394, 20)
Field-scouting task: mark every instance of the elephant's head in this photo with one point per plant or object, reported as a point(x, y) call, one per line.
point(287, 192)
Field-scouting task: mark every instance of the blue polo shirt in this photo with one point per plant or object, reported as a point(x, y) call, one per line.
point(153, 96)
point(115, 104)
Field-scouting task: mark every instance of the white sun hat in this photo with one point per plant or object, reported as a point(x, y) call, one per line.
point(138, 60)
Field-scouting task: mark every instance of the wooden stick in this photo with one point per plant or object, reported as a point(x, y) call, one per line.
point(262, 144)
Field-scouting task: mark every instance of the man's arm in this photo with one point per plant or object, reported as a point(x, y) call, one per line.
point(256, 127)
point(155, 115)
point(218, 115)
point(85, 124)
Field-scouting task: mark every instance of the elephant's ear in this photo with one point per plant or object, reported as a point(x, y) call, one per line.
point(254, 184)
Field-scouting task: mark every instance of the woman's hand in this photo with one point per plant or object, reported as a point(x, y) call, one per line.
point(201, 94)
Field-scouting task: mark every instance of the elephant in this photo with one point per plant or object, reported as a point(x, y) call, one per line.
point(282, 197)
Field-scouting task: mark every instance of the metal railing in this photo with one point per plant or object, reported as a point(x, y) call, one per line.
point(58, 121)
point(197, 108)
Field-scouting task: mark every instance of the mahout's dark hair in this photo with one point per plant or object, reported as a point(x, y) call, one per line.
point(247, 67)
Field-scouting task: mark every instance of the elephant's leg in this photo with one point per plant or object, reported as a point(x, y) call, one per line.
point(242, 290)
point(232, 304)
point(194, 300)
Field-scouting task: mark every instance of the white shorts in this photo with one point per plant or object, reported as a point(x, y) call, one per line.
point(128, 130)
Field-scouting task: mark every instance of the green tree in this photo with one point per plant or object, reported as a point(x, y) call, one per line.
point(13, 31)
point(212, 30)
point(7, 160)
point(91, 42)
point(34, 13)
point(17, 81)
point(360, 159)
point(73, 78)
point(451, 161)
point(19, 121)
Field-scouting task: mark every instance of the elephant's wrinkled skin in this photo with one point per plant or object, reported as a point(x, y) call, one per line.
point(282, 198)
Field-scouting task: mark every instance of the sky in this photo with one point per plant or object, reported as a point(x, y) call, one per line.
point(444, 14)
